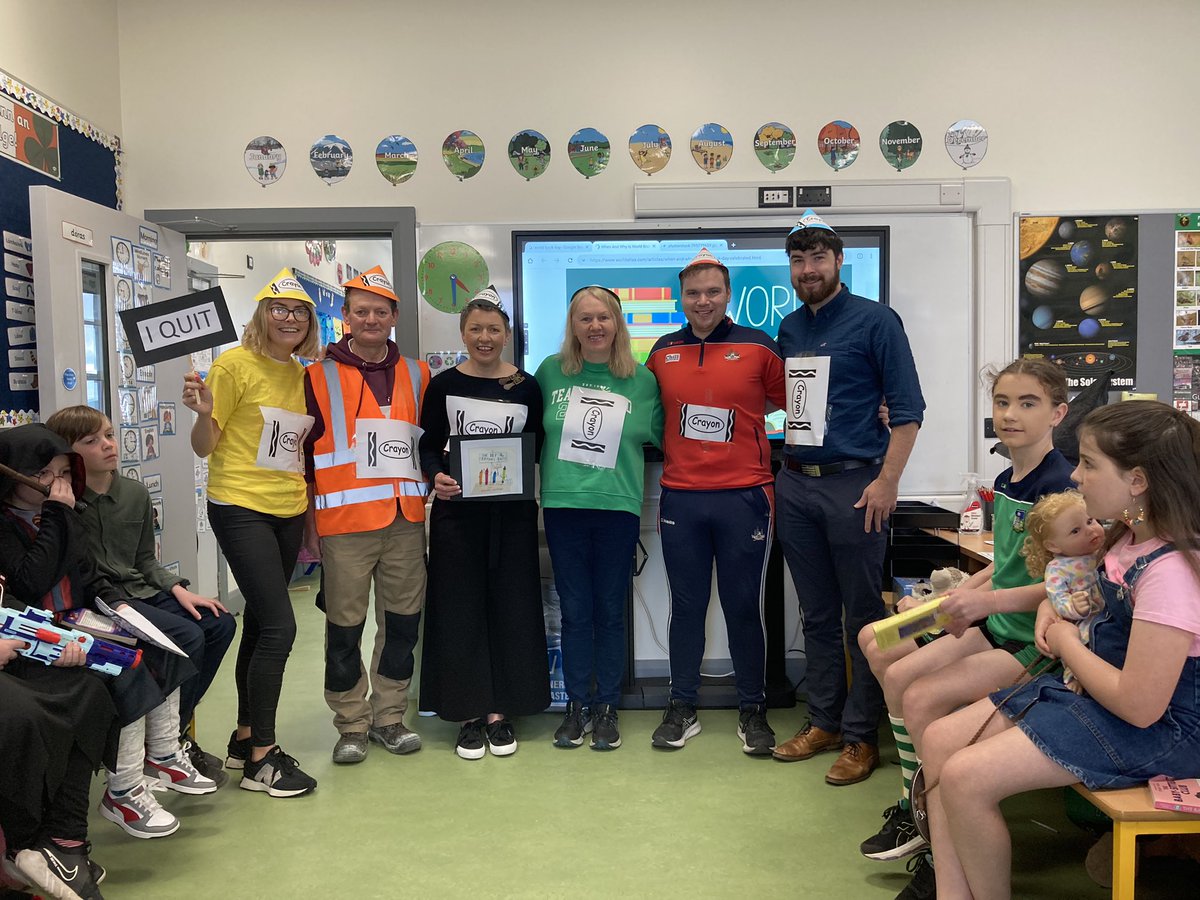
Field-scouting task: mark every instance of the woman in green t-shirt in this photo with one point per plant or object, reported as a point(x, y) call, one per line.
point(600, 408)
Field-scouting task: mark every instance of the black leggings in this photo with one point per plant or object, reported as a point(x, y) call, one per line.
point(64, 816)
point(261, 550)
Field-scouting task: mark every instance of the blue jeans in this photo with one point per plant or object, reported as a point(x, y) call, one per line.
point(592, 554)
point(838, 571)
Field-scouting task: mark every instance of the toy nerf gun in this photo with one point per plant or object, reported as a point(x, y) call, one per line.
point(45, 641)
point(911, 623)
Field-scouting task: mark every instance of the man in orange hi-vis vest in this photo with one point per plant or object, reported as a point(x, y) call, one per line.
point(368, 510)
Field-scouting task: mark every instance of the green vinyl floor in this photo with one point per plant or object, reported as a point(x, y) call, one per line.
point(705, 821)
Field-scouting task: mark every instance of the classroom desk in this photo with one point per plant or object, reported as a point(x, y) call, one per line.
point(974, 548)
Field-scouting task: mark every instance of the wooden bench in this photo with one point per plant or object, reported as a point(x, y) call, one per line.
point(1133, 813)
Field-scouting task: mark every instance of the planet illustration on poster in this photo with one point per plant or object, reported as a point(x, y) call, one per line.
point(450, 274)
point(838, 144)
point(1117, 230)
point(1043, 317)
point(650, 148)
point(396, 158)
point(331, 159)
point(529, 153)
point(712, 147)
point(1045, 278)
point(265, 160)
point(589, 152)
point(1066, 230)
point(775, 146)
point(900, 142)
point(1089, 328)
point(1104, 271)
point(463, 153)
point(967, 143)
point(1034, 232)
point(1082, 253)
point(1092, 300)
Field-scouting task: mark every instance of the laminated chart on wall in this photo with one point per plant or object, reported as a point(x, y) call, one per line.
point(463, 152)
point(712, 147)
point(529, 153)
point(967, 143)
point(1186, 323)
point(396, 159)
point(1077, 295)
point(331, 158)
point(589, 151)
point(775, 146)
point(900, 143)
point(265, 160)
point(650, 148)
point(838, 143)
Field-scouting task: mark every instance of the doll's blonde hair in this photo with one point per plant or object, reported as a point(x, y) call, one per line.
point(1037, 528)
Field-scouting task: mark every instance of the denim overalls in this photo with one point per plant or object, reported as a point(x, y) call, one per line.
point(1098, 747)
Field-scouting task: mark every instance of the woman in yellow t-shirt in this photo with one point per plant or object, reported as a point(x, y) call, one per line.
point(250, 420)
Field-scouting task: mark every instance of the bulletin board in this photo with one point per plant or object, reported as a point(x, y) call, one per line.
point(41, 143)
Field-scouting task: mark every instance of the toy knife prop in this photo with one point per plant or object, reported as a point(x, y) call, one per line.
point(139, 626)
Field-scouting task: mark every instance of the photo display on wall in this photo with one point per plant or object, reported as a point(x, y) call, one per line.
point(1186, 323)
point(1077, 295)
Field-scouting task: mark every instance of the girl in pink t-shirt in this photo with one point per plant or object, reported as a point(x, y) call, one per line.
point(1139, 715)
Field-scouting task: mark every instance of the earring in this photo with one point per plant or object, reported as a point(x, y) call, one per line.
point(1130, 521)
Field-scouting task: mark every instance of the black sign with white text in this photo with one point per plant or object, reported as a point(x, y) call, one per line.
point(178, 327)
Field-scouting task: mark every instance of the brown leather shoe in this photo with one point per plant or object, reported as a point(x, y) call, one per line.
point(808, 742)
point(856, 764)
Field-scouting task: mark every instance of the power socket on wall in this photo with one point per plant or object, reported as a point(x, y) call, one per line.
point(989, 428)
point(775, 198)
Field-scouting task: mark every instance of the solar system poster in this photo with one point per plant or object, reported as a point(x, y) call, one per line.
point(1077, 295)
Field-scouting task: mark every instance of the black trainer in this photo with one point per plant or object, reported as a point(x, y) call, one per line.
point(237, 752)
point(924, 881)
point(470, 744)
point(577, 721)
point(679, 724)
point(605, 735)
point(501, 737)
point(757, 737)
point(204, 763)
point(897, 838)
point(277, 775)
point(60, 871)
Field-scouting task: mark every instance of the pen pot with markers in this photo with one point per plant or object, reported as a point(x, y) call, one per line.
point(987, 502)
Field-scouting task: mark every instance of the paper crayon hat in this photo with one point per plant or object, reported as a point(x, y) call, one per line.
point(375, 281)
point(489, 295)
point(284, 286)
point(703, 258)
point(811, 220)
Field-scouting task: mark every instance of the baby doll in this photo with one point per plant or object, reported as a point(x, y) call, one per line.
point(1062, 542)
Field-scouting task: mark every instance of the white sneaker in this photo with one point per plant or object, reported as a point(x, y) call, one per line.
point(178, 774)
point(138, 813)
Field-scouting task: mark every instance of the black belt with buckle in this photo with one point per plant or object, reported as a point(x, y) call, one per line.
point(816, 471)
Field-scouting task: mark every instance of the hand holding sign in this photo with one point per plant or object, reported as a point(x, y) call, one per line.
point(196, 395)
point(177, 327)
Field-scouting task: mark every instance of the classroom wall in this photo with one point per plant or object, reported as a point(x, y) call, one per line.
point(66, 50)
point(1082, 99)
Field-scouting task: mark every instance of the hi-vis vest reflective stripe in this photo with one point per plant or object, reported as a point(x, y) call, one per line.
point(343, 503)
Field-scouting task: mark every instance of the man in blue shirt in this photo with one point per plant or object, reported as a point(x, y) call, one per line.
point(837, 487)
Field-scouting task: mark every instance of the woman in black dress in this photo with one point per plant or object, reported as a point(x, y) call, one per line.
point(484, 657)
